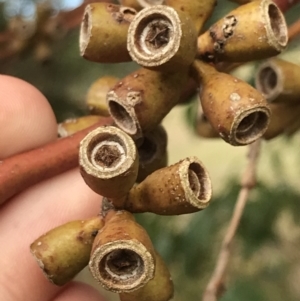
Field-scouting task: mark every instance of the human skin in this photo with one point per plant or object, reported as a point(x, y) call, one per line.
point(27, 122)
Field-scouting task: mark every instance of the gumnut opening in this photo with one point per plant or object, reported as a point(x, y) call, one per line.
point(154, 36)
point(269, 81)
point(108, 161)
point(196, 182)
point(275, 26)
point(122, 266)
point(251, 125)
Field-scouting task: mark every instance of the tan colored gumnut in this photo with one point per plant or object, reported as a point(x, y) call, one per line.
point(103, 33)
point(202, 126)
point(65, 250)
point(153, 152)
point(122, 257)
point(160, 288)
point(140, 101)
point(279, 81)
point(198, 11)
point(238, 112)
point(96, 95)
point(162, 38)
point(108, 161)
point(284, 118)
point(253, 31)
point(184, 187)
point(131, 3)
point(73, 125)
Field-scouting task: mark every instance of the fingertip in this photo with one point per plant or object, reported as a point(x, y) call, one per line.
point(26, 117)
point(77, 291)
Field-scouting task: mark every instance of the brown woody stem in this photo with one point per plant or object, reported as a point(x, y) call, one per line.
point(215, 287)
point(294, 30)
point(24, 170)
point(285, 5)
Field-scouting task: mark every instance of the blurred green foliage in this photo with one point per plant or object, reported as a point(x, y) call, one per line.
point(190, 244)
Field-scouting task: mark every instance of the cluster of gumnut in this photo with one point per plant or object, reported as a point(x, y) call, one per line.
point(125, 161)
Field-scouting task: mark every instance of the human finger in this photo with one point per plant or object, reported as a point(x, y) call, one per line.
point(26, 118)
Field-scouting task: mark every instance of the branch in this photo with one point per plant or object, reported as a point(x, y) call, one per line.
point(24, 170)
point(285, 5)
point(294, 30)
point(215, 287)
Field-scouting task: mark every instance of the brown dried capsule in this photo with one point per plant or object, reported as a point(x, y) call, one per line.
point(282, 117)
point(294, 126)
point(140, 101)
point(201, 124)
point(140, 4)
point(279, 81)
point(198, 11)
point(131, 3)
point(96, 95)
point(160, 288)
point(64, 251)
point(108, 161)
point(74, 125)
point(152, 152)
point(103, 33)
point(184, 187)
point(147, 3)
point(161, 38)
point(241, 1)
point(238, 112)
point(122, 257)
point(253, 31)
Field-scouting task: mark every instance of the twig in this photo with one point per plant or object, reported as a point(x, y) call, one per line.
point(215, 287)
point(285, 5)
point(294, 30)
point(24, 170)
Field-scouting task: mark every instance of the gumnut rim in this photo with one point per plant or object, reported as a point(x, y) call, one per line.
point(268, 80)
point(196, 182)
point(107, 151)
point(122, 266)
point(154, 36)
point(275, 25)
point(249, 126)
